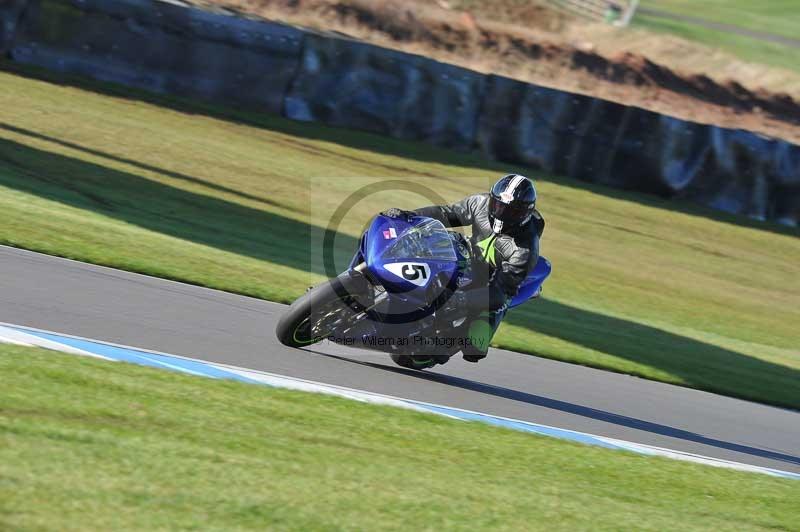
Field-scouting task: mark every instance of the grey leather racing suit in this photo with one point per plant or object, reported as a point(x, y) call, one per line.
point(509, 258)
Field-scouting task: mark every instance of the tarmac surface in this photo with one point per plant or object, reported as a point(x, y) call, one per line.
point(110, 305)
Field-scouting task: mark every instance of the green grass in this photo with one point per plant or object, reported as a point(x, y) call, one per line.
point(233, 200)
point(779, 17)
point(776, 17)
point(132, 448)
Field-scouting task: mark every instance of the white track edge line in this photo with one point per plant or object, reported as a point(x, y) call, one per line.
point(412, 404)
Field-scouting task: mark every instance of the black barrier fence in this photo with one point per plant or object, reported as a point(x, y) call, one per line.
point(627, 147)
point(10, 12)
point(305, 75)
point(352, 84)
point(161, 47)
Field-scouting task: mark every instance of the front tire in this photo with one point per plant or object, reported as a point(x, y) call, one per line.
point(304, 323)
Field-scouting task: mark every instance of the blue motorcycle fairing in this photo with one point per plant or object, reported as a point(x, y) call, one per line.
point(388, 250)
point(413, 260)
point(533, 283)
point(384, 233)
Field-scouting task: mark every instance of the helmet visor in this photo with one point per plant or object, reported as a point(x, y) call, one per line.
point(510, 213)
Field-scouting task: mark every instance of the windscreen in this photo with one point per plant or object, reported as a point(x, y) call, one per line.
point(428, 240)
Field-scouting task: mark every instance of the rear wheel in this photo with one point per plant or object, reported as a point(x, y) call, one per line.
point(320, 312)
point(419, 361)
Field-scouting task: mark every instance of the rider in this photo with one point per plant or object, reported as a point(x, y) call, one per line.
point(506, 228)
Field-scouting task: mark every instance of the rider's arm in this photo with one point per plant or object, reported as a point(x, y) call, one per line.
point(506, 280)
point(457, 214)
point(513, 271)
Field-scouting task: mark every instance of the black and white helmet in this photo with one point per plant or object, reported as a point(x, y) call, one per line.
point(512, 202)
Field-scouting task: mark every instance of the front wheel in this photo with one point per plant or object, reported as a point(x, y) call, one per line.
point(319, 312)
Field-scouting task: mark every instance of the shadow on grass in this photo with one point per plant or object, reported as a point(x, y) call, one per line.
point(373, 143)
point(138, 164)
point(162, 208)
point(698, 364)
point(575, 409)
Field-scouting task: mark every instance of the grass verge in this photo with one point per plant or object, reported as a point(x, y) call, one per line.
point(231, 200)
point(777, 17)
point(132, 448)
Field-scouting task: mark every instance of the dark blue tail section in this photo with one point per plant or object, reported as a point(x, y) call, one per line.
point(533, 283)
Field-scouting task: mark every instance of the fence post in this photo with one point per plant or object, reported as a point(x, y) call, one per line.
point(626, 19)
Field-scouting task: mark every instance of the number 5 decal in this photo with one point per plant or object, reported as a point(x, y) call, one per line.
point(413, 272)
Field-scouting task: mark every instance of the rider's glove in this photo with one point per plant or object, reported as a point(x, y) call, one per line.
point(398, 213)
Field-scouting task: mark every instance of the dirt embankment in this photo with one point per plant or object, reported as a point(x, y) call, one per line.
point(544, 52)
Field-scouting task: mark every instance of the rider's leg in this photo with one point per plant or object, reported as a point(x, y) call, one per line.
point(486, 308)
point(480, 333)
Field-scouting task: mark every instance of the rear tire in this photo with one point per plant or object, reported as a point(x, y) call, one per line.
point(419, 361)
point(295, 329)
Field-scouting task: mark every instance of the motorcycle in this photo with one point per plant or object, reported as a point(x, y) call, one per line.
point(404, 293)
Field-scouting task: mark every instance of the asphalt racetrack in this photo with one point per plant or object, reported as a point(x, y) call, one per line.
point(115, 306)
